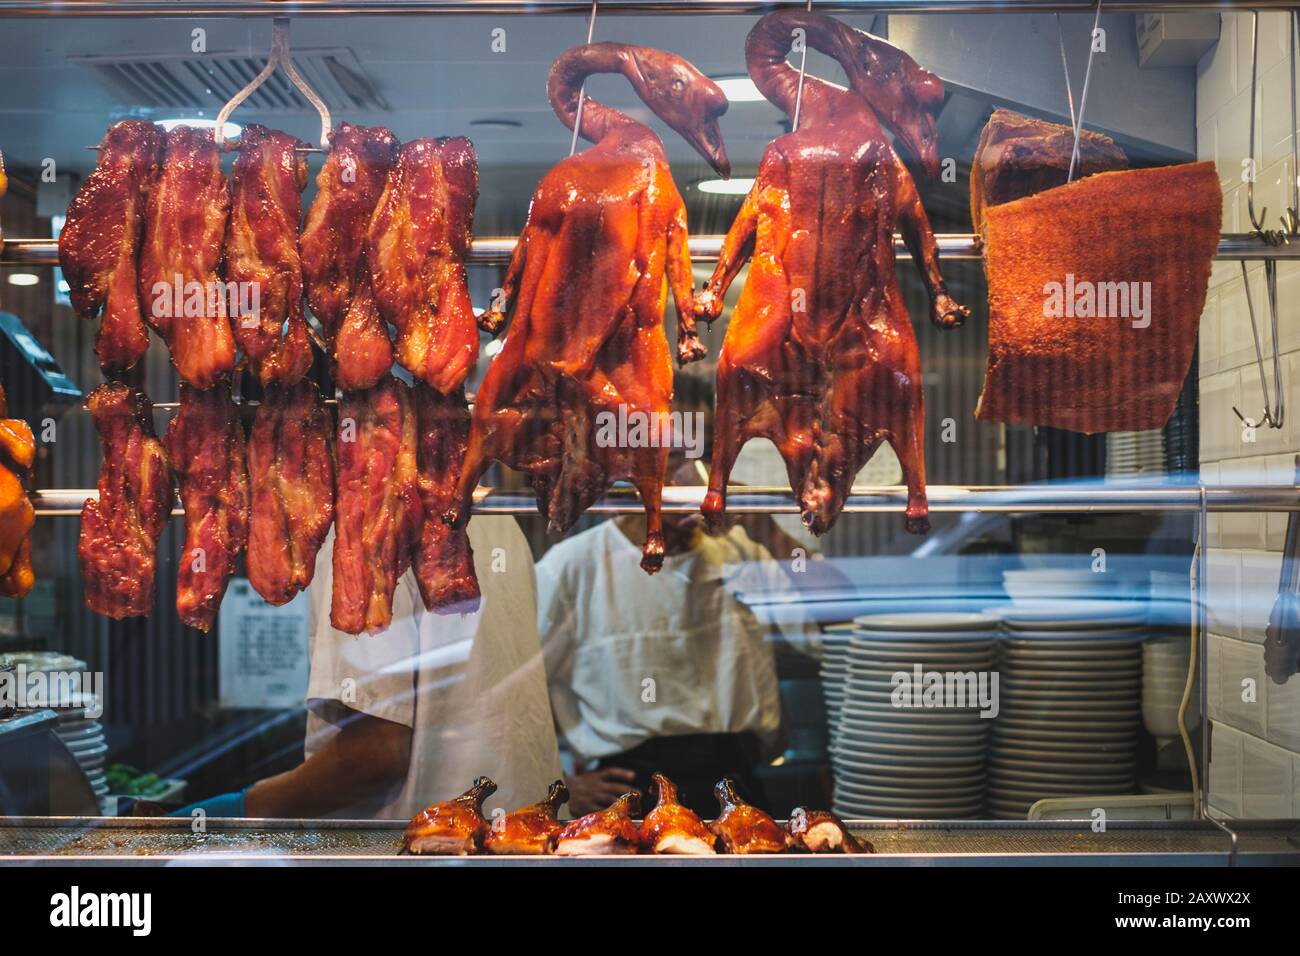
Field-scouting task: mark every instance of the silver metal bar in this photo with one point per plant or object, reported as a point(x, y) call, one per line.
point(1233, 247)
point(867, 499)
point(170, 8)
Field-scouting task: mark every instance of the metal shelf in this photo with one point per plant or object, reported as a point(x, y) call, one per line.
point(496, 250)
point(1117, 498)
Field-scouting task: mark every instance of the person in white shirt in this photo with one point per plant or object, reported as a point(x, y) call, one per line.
point(667, 673)
point(411, 715)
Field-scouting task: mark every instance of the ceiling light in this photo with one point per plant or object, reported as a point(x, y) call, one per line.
point(495, 123)
point(23, 278)
point(725, 187)
point(231, 129)
point(739, 89)
point(493, 347)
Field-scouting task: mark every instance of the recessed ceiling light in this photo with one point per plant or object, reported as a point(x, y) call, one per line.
point(23, 278)
point(725, 187)
point(739, 89)
point(231, 129)
point(493, 347)
point(495, 123)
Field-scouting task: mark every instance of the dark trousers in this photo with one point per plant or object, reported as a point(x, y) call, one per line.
point(695, 762)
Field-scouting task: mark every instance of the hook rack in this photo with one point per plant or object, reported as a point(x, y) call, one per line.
point(279, 57)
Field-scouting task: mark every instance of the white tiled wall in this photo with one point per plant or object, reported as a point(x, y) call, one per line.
point(1255, 750)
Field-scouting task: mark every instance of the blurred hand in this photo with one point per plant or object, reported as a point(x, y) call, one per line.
point(597, 789)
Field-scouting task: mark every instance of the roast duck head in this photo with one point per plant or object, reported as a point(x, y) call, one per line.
point(905, 97)
point(676, 91)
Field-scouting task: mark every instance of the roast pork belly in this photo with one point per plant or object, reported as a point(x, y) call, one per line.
point(1095, 298)
point(1018, 156)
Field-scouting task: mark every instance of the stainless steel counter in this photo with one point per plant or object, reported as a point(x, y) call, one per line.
point(170, 841)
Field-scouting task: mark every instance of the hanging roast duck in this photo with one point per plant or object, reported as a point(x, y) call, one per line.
point(586, 288)
point(820, 356)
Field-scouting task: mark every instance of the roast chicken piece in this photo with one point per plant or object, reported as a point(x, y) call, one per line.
point(418, 239)
point(291, 476)
point(119, 530)
point(333, 250)
point(608, 831)
point(531, 830)
point(378, 512)
point(673, 828)
point(454, 827)
point(17, 516)
point(205, 442)
point(444, 560)
point(587, 285)
point(262, 253)
point(1095, 296)
point(819, 831)
point(743, 827)
point(820, 356)
point(184, 232)
point(1018, 156)
point(100, 242)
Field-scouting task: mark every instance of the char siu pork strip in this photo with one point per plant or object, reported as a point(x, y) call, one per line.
point(100, 242)
point(418, 239)
point(444, 560)
point(180, 290)
point(206, 444)
point(333, 245)
point(291, 471)
point(262, 254)
point(378, 512)
point(120, 529)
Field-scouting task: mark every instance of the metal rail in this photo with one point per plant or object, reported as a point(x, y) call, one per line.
point(496, 250)
point(867, 499)
point(172, 8)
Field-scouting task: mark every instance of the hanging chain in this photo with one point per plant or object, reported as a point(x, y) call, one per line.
point(803, 69)
point(582, 90)
point(1083, 98)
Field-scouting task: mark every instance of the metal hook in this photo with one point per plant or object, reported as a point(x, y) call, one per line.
point(1083, 97)
point(582, 90)
point(803, 71)
point(1274, 409)
point(1272, 237)
point(1291, 221)
point(279, 57)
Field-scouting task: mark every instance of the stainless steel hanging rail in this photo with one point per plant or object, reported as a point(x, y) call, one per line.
point(1233, 247)
point(1010, 499)
point(172, 8)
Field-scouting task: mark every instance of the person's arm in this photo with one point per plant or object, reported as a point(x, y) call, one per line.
point(366, 756)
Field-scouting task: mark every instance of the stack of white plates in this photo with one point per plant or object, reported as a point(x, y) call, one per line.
point(912, 762)
point(1028, 585)
point(1070, 686)
point(1164, 676)
point(834, 669)
point(82, 735)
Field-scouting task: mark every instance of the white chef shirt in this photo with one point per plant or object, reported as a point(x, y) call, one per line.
point(631, 656)
point(472, 687)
